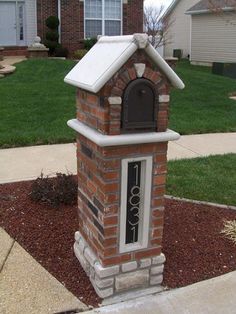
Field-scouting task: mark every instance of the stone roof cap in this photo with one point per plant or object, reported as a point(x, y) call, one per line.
point(108, 55)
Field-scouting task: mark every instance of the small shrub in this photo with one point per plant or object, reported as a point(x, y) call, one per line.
point(89, 43)
point(61, 52)
point(230, 230)
point(52, 35)
point(55, 191)
point(52, 22)
point(79, 54)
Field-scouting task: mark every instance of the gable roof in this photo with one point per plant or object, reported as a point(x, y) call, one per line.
point(170, 8)
point(206, 6)
point(108, 55)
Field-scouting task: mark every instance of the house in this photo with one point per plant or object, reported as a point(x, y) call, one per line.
point(213, 32)
point(21, 21)
point(179, 24)
point(204, 30)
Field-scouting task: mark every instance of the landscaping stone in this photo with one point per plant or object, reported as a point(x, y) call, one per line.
point(7, 69)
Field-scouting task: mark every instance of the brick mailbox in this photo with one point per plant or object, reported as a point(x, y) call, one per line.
point(122, 136)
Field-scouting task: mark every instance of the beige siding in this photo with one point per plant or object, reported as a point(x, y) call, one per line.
point(214, 38)
point(31, 21)
point(178, 36)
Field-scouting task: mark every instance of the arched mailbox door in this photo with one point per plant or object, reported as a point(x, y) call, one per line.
point(139, 112)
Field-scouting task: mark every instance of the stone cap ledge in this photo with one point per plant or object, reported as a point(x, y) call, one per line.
point(123, 139)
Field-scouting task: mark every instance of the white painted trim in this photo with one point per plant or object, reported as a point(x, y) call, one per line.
point(123, 139)
point(190, 41)
point(146, 182)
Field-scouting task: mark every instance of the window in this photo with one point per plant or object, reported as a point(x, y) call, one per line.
point(102, 17)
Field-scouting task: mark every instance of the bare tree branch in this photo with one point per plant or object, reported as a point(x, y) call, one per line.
point(155, 27)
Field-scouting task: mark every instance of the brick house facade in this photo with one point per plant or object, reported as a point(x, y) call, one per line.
point(73, 23)
point(21, 21)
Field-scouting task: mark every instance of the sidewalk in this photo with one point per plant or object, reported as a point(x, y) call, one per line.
point(213, 296)
point(26, 163)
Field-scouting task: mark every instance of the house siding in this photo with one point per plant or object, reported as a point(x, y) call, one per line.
point(178, 35)
point(31, 24)
point(214, 38)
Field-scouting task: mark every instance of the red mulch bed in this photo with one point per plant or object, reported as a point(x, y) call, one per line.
point(194, 248)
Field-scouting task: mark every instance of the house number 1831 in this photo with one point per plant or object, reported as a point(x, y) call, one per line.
point(133, 202)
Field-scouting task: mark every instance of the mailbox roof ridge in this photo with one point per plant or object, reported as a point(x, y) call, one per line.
point(108, 55)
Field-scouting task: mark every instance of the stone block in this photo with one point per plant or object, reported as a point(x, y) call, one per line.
point(115, 100)
point(104, 293)
point(145, 262)
point(164, 98)
point(103, 272)
point(84, 263)
point(129, 266)
point(104, 283)
point(157, 270)
point(90, 256)
point(140, 69)
point(132, 280)
point(158, 260)
point(156, 280)
point(77, 236)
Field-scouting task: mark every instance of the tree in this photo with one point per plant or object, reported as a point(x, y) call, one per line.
point(155, 27)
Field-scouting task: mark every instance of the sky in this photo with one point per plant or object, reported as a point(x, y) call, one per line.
point(157, 2)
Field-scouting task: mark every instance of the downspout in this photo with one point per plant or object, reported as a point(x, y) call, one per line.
point(59, 18)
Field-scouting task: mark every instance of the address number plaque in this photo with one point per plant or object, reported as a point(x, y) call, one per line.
point(135, 203)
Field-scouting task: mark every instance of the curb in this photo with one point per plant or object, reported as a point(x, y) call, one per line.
point(170, 197)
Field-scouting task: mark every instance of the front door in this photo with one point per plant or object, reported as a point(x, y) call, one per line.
point(8, 32)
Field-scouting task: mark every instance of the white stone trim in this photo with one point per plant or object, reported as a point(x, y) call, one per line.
point(146, 182)
point(124, 139)
point(113, 52)
point(140, 69)
point(115, 100)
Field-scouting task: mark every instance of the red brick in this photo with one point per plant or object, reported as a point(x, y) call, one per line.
point(111, 220)
point(159, 180)
point(147, 253)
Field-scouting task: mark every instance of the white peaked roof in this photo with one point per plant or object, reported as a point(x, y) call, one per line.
point(108, 55)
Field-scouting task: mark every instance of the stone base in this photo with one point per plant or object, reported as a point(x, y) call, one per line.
point(38, 53)
point(119, 280)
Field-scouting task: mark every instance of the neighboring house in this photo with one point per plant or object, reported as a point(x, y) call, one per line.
point(178, 30)
point(213, 32)
point(204, 30)
point(21, 21)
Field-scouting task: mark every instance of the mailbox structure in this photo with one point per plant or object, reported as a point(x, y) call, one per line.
point(122, 136)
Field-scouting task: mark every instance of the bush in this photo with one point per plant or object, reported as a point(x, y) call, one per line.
point(61, 52)
point(52, 45)
point(79, 54)
point(89, 43)
point(52, 22)
point(52, 35)
point(55, 191)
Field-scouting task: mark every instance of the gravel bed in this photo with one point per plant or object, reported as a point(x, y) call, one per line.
point(194, 247)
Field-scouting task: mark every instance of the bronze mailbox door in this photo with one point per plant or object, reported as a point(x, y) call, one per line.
point(139, 107)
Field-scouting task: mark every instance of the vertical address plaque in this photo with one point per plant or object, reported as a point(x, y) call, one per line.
point(135, 203)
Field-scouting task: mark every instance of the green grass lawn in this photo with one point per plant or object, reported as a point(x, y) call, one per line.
point(207, 179)
point(35, 103)
point(203, 106)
